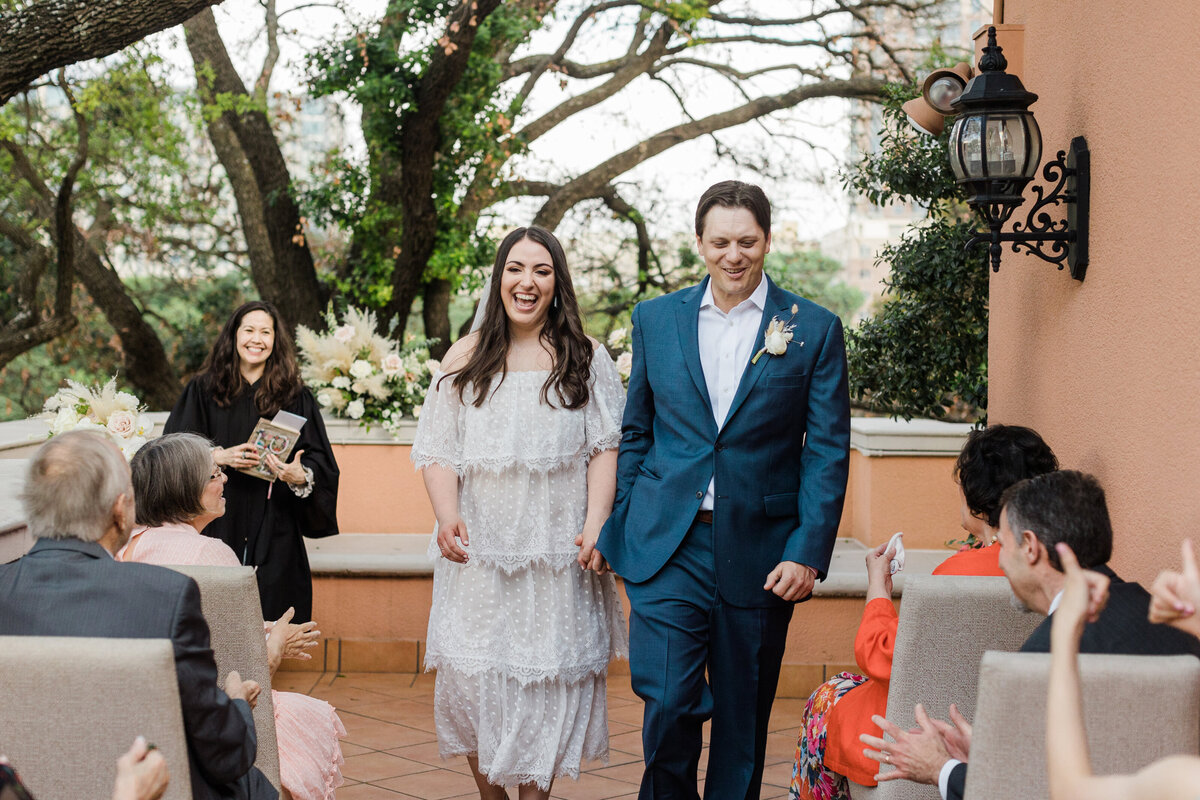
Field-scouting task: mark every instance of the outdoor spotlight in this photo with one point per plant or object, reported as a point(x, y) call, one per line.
point(928, 112)
point(995, 150)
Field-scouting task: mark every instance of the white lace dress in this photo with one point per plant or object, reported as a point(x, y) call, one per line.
point(521, 636)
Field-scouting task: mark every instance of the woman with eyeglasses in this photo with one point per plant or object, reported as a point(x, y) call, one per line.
point(178, 490)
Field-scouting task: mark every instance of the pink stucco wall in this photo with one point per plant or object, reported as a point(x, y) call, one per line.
point(1109, 370)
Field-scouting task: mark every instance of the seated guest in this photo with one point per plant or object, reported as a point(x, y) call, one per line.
point(178, 490)
point(79, 507)
point(1068, 765)
point(828, 751)
point(141, 775)
point(1065, 507)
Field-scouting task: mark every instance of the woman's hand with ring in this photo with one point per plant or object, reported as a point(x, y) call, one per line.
point(240, 456)
point(450, 534)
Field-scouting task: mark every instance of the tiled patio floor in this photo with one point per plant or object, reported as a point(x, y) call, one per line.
point(391, 749)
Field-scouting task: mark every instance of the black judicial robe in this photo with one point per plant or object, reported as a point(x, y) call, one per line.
point(265, 532)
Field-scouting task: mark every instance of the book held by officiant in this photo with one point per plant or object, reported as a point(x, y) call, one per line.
point(276, 437)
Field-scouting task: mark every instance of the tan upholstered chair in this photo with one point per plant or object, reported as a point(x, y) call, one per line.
point(229, 598)
point(1137, 709)
point(70, 707)
point(946, 624)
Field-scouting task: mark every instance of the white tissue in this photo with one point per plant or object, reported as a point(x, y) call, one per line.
point(898, 558)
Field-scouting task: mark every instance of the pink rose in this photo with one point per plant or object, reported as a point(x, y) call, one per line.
point(121, 423)
point(391, 364)
point(344, 334)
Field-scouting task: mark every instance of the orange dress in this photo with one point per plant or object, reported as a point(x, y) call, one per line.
point(307, 729)
point(874, 646)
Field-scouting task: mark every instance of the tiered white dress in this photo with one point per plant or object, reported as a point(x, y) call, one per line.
point(521, 636)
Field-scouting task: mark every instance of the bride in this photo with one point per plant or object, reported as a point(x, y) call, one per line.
point(517, 443)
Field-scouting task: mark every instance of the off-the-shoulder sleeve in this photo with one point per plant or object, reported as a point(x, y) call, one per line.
point(606, 402)
point(439, 435)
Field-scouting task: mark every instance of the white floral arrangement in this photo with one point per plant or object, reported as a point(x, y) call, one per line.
point(620, 341)
point(358, 374)
point(116, 414)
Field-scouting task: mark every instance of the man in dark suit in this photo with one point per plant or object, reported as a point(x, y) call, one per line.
point(1037, 514)
point(79, 506)
point(730, 482)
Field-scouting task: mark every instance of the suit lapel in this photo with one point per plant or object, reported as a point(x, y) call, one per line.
point(688, 313)
point(776, 306)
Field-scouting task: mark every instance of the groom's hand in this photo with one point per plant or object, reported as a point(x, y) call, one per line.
point(791, 581)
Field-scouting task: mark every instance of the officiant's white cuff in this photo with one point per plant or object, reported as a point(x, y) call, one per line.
point(306, 489)
point(944, 777)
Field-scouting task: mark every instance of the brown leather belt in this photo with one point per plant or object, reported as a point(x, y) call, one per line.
point(705, 516)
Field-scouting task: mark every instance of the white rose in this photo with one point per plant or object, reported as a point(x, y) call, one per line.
point(433, 365)
point(361, 369)
point(776, 342)
point(344, 334)
point(86, 424)
point(416, 412)
point(391, 364)
point(325, 399)
point(616, 337)
point(127, 401)
point(625, 364)
point(121, 423)
point(341, 382)
point(52, 403)
point(130, 446)
point(64, 420)
point(355, 409)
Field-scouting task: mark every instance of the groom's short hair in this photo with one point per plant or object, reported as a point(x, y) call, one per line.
point(735, 194)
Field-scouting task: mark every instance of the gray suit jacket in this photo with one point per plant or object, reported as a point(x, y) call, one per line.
point(72, 588)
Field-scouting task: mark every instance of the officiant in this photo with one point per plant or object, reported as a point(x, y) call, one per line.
point(251, 374)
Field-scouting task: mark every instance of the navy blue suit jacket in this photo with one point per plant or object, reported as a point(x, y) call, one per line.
point(69, 587)
point(780, 460)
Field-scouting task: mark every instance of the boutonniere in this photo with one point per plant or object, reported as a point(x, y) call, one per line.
point(778, 336)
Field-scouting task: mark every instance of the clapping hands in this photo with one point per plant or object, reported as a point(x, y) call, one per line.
point(286, 640)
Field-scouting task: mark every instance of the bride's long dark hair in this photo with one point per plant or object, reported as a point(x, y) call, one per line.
point(562, 331)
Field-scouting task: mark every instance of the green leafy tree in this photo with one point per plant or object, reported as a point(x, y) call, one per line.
point(813, 275)
point(924, 353)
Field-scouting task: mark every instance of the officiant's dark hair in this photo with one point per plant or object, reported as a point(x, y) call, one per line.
point(280, 380)
point(735, 194)
point(563, 331)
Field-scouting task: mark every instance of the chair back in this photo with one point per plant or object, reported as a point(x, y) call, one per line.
point(946, 624)
point(229, 600)
point(1137, 709)
point(71, 706)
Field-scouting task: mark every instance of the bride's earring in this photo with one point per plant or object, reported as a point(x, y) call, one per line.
point(554, 302)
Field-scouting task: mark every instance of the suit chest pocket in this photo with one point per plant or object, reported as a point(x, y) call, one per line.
point(787, 381)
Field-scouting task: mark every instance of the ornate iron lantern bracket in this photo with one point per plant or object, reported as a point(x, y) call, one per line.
point(1062, 242)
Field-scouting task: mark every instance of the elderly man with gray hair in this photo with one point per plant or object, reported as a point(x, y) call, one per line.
point(79, 507)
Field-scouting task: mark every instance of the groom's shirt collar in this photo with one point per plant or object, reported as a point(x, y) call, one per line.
point(758, 297)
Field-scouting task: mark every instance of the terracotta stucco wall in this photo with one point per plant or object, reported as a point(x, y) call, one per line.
point(1109, 370)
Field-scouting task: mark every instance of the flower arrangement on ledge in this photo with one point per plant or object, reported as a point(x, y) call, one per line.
point(118, 415)
point(357, 374)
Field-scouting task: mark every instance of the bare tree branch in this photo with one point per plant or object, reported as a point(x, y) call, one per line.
point(47, 34)
point(264, 76)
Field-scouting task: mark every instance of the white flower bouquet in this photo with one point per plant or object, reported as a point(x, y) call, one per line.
point(358, 374)
point(620, 341)
point(118, 415)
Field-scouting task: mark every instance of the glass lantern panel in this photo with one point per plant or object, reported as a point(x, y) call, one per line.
point(956, 149)
point(1008, 147)
point(971, 148)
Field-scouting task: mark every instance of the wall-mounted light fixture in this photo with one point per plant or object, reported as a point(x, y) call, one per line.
point(995, 149)
point(928, 112)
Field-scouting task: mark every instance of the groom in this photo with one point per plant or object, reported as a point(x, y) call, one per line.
point(730, 481)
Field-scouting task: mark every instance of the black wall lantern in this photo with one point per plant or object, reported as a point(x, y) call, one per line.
point(995, 149)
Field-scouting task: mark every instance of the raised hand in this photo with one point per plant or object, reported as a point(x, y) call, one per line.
point(290, 641)
point(1084, 596)
point(879, 573)
point(291, 472)
point(1175, 596)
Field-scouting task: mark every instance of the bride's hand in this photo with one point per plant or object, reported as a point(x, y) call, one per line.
point(589, 556)
point(448, 538)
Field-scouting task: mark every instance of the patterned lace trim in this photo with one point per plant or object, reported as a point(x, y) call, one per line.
point(448, 751)
point(525, 674)
point(430, 455)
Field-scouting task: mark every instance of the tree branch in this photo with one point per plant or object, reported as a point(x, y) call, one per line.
point(264, 76)
point(48, 34)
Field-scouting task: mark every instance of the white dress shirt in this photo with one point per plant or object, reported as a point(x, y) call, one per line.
point(726, 347)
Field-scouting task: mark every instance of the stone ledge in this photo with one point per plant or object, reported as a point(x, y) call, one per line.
point(374, 555)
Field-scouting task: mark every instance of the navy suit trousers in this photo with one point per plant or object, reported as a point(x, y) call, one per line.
point(681, 629)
